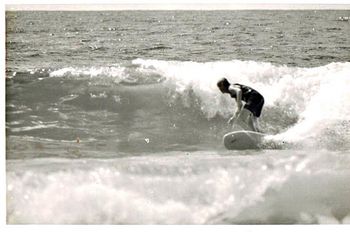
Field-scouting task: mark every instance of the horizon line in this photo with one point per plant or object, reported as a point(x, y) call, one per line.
point(172, 6)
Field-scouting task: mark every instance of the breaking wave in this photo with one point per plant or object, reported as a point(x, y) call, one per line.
point(304, 106)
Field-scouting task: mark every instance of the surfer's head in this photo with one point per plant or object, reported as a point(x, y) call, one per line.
point(223, 85)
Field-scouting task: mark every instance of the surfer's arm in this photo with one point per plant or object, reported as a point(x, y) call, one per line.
point(238, 100)
point(238, 93)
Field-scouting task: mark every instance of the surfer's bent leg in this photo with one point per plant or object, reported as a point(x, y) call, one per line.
point(255, 123)
point(244, 120)
point(251, 122)
point(254, 105)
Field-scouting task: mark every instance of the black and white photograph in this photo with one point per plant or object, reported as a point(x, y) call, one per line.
point(177, 112)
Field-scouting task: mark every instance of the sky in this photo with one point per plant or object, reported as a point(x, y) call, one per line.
point(173, 4)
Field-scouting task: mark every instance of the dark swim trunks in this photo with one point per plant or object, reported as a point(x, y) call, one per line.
point(254, 103)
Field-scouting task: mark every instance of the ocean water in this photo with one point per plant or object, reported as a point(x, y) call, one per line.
point(115, 117)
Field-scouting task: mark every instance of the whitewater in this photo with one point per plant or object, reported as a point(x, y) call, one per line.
point(121, 122)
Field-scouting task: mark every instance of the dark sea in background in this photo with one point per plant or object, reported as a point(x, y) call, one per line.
point(115, 117)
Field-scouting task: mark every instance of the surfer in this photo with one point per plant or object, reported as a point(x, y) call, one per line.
point(246, 116)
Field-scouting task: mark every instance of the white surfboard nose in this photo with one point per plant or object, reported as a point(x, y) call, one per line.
point(242, 140)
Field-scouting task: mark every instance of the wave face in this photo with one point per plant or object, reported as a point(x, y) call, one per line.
point(173, 102)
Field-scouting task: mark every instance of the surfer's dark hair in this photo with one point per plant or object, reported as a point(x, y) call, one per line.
point(223, 82)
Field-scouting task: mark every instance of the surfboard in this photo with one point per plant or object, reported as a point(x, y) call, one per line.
point(242, 140)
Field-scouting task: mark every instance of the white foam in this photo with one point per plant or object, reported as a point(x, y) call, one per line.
point(37, 126)
point(327, 103)
point(117, 72)
point(196, 189)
